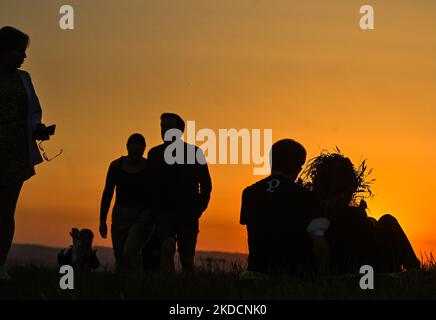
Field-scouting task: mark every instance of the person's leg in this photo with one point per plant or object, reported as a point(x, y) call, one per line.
point(119, 231)
point(167, 241)
point(168, 251)
point(395, 241)
point(137, 234)
point(8, 202)
point(151, 251)
point(186, 242)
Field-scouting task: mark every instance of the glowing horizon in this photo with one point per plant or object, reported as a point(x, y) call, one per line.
point(304, 70)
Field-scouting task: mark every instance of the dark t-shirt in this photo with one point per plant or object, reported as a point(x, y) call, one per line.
point(132, 189)
point(277, 212)
point(180, 191)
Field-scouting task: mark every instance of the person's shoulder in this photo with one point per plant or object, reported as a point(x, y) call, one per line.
point(356, 212)
point(305, 191)
point(24, 73)
point(156, 150)
point(259, 185)
point(25, 76)
point(115, 164)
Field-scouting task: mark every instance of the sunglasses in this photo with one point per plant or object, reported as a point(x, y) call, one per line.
point(44, 155)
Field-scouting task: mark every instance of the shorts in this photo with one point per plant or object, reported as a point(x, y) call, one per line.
point(184, 232)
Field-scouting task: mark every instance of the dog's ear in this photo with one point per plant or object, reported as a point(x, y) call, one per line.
point(87, 232)
point(74, 233)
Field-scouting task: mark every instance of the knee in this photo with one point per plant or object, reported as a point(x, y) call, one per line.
point(388, 219)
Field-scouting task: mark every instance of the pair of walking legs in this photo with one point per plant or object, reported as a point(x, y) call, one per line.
point(129, 230)
point(8, 201)
point(184, 236)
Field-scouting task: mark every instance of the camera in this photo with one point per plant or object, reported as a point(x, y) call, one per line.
point(42, 132)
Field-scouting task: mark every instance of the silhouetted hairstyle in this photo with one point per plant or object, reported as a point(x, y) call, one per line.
point(12, 39)
point(287, 155)
point(180, 124)
point(136, 138)
point(334, 175)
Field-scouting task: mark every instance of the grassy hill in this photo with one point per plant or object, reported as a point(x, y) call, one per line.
point(36, 277)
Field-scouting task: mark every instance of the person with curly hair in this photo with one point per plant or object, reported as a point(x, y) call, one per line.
point(353, 238)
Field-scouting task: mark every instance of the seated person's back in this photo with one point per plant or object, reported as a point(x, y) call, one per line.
point(277, 212)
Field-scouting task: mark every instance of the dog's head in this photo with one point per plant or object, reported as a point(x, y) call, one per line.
point(82, 238)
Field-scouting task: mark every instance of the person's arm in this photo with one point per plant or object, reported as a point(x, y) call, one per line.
point(246, 208)
point(321, 250)
point(38, 128)
point(205, 182)
point(37, 110)
point(317, 230)
point(154, 183)
point(106, 199)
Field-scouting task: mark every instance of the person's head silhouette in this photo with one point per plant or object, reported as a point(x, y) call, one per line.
point(287, 158)
point(172, 126)
point(13, 45)
point(136, 146)
point(335, 179)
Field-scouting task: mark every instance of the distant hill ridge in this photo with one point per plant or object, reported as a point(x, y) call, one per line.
point(25, 254)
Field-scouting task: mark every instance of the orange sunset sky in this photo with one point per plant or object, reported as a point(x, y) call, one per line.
point(301, 68)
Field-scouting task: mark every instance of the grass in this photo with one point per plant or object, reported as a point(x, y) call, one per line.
point(32, 282)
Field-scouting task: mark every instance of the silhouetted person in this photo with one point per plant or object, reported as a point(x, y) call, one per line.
point(130, 177)
point(354, 239)
point(181, 193)
point(277, 211)
point(20, 127)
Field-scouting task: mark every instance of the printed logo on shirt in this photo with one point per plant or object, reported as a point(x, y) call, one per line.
point(272, 185)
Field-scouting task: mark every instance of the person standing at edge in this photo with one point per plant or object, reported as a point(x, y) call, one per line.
point(20, 127)
point(181, 193)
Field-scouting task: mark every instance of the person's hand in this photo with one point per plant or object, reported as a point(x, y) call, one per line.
point(40, 132)
point(103, 229)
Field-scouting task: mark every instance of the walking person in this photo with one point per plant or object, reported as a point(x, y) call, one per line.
point(181, 193)
point(129, 177)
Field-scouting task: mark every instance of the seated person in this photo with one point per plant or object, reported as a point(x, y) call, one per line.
point(276, 211)
point(354, 239)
